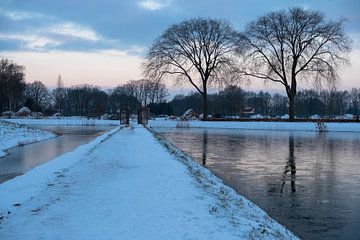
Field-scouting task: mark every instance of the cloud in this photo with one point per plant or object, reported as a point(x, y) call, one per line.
point(21, 15)
point(47, 32)
point(31, 41)
point(66, 35)
point(53, 35)
point(74, 30)
point(153, 4)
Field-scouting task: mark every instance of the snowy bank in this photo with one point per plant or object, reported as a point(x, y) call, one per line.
point(286, 126)
point(126, 185)
point(68, 121)
point(12, 135)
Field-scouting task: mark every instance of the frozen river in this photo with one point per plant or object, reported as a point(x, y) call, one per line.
point(21, 159)
point(307, 181)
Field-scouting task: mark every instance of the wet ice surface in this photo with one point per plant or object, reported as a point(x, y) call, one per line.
point(307, 181)
point(21, 159)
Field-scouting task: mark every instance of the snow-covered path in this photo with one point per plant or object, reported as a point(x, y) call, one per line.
point(126, 185)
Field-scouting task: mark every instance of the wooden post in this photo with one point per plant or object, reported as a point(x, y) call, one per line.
point(124, 116)
point(139, 116)
point(143, 115)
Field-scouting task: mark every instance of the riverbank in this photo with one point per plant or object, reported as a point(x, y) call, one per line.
point(63, 121)
point(251, 125)
point(12, 135)
point(126, 185)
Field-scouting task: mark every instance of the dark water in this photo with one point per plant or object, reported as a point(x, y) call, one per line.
point(307, 181)
point(22, 159)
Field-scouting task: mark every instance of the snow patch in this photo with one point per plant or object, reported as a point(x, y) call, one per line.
point(12, 135)
point(67, 121)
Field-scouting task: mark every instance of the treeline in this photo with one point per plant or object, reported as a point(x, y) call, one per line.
point(232, 100)
point(92, 101)
point(82, 100)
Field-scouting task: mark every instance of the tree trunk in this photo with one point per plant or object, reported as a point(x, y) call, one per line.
point(10, 104)
point(205, 107)
point(205, 103)
point(205, 141)
point(291, 107)
point(291, 163)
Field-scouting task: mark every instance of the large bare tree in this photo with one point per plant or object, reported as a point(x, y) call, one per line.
point(199, 51)
point(295, 45)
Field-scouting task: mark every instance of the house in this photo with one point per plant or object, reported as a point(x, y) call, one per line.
point(248, 111)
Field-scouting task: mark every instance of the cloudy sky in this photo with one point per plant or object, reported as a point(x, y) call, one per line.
point(103, 42)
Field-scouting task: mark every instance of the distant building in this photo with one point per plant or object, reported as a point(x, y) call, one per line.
point(248, 111)
point(190, 114)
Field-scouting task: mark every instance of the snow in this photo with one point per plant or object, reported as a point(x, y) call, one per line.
point(8, 114)
point(286, 116)
point(12, 135)
point(63, 121)
point(345, 117)
point(283, 126)
point(315, 116)
point(126, 185)
point(257, 116)
point(24, 111)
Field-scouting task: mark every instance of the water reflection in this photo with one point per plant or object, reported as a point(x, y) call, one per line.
point(290, 166)
point(205, 145)
point(307, 181)
point(22, 159)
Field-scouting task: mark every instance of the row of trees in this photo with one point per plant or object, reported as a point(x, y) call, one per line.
point(232, 100)
point(87, 100)
point(82, 100)
point(284, 47)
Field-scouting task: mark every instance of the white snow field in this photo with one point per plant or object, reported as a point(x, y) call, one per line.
point(64, 121)
point(127, 185)
point(280, 126)
point(12, 135)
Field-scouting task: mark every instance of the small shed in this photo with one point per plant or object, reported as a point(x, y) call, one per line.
point(248, 111)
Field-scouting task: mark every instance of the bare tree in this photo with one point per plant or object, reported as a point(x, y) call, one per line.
point(158, 92)
point(299, 44)
point(355, 101)
point(59, 94)
point(12, 83)
point(37, 91)
point(197, 50)
point(233, 98)
point(146, 91)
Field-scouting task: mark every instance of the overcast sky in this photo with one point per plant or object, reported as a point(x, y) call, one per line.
point(103, 42)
